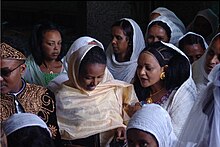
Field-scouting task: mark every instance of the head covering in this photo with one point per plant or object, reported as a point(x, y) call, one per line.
point(154, 119)
point(8, 52)
point(81, 41)
point(74, 64)
point(206, 111)
point(84, 113)
point(211, 17)
point(21, 120)
point(117, 68)
point(188, 33)
point(199, 74)
point(176, 33)
point(172, 16)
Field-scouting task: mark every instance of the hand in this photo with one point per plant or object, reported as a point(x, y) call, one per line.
point(131, 109)
point(120, 134)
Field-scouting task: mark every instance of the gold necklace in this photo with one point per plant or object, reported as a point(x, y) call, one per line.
point(149, 100)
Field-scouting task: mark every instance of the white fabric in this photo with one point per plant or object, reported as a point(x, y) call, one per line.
point(172, 16)
point(200, 76)
point(205, 44)
point(203, 125)
point(21, 120)
point(214, 77)
point(81, 41)
point(154, 119)
point(212, 18)
point(82, 113)
point(181, 101)
point(125, 71)
point(176, 33)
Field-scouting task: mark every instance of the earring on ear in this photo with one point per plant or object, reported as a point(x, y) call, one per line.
point(162, 75)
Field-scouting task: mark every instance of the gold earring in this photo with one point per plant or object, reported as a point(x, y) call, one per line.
point(162, 75)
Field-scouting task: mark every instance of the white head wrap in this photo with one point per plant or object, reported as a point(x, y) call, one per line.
point(176, 33)
point(172, 16)
point(81, 41)
point(21, 120)
point(154, 119)
point(199, 74)
point(205, 44)
point(118, 68)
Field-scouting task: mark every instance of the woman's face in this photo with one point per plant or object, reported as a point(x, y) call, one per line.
point(91, 75)
point(148, 69)
point(119, 40)
point(51, 44)
point(156, 33)
point(193, 52)
point(138, 138)
point(212, 56)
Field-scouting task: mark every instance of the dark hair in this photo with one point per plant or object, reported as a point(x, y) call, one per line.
point(94, 55)
point(191, 39)
point(31, 136)
point(177, 72)
point(37, 38)
point(163, 25)
point(128, 31)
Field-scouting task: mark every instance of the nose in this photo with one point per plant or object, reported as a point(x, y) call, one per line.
point(141, 71)
point(155, 39)
point(1, 78)
point(113, 40)
point(215, 60)
point(95, 82)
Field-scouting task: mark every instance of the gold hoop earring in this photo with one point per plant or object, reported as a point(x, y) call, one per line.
point(162, 75)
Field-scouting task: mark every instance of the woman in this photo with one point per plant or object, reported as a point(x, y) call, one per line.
point(91, 104)
point(81, 41)
point(164, 77)
point(206, 111)
point(122, 53)
point(162, 29)
point(150, 126)
point(162, 11)
point(44, 63)
point(193, 45)
point(202, 67)
point(205, 23)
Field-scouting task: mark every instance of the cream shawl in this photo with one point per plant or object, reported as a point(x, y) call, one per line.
point(84, 113)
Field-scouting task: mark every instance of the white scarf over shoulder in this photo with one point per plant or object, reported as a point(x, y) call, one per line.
point(125, 71)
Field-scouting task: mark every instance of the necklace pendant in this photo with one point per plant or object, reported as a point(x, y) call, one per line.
point(149, 100)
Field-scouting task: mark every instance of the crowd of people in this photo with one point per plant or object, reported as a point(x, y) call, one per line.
point(158, 88)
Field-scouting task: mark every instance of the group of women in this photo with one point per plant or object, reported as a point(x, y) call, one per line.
point(140, 90)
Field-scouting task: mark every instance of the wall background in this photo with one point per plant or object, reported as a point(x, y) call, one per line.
point(93, 18)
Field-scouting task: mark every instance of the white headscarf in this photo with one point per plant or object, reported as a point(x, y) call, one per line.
point(81, 41)
point(205, 44)
point(199, 74)
point(21, 120)
point(172, 16)
point(176, 33)
point(212, 18)
point(154, 119)
point(125, 71)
